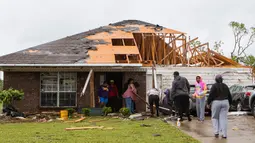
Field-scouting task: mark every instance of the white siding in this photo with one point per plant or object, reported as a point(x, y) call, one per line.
point(231, 75)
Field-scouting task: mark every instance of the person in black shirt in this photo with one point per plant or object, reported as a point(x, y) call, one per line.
point(219, 99)
point(180, 95)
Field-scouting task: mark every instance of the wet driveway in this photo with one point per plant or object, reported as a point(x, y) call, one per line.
point(241, 129)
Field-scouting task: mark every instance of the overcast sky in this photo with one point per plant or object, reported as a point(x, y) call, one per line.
point(26, 23)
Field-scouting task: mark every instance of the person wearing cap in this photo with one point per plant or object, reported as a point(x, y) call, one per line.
point(219, 100)
point(113, 96)
point(180, 95)
point(200, 92)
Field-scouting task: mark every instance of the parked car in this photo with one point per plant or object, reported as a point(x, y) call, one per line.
point(193, 104)
point(242, 97)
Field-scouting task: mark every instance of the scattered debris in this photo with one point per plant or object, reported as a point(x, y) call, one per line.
point(42, 120)
point(84, 128)
point(235, 128)
point(98, 120)
point(50, 120)
point(21, 118)
point(156, 135)
point(76, 121)
point(144, 125)
point(113, 114)
point(135, 116)
point(239, 113)
point(92, 127)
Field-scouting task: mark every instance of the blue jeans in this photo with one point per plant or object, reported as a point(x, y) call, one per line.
point(200, 105)
point(130, 104)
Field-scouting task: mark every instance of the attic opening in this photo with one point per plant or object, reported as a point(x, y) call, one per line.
point(127, 58)
point(123, 42)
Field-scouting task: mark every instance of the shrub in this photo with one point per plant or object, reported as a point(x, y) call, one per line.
point(85, 111)
point(70, 112)
point(124, 111)
point(107, 110)
point(9, 95)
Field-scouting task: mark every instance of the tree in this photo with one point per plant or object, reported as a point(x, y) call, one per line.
point(249, 60)
point(217, 47)
point(240, 32)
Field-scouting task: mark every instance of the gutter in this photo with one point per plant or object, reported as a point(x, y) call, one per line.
point(70, 65)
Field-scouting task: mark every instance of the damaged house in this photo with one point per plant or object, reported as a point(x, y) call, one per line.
point(67, 72)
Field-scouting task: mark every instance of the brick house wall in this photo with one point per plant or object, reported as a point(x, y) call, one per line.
point(139, 77)
point(29, 82)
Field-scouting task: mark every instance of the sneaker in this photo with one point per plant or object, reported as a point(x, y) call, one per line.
point(216, 135)
point(189, 119)
point(224, 137)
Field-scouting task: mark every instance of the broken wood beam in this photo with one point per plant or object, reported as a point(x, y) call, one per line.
point(84, 128)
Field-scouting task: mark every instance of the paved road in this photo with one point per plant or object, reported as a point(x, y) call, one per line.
point(241, 129)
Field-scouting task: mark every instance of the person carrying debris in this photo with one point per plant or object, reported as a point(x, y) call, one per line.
point(200, 91)
point(113, 96)
point(180, 95)
point(153, 95)
point(219, 99)
point(130, 95)
point(103, 94)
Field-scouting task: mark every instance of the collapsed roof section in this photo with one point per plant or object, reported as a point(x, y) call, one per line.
point(128, 41)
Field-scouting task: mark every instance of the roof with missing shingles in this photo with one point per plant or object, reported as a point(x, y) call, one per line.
point(73, 49)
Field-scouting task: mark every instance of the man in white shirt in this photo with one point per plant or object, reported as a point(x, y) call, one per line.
point(153, 95)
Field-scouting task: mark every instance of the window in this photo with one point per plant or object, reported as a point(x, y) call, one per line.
point(123, 42)
point(58, 89)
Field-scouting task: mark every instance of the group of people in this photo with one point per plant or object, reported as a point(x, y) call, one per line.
point(108, 95)
point(218, 101)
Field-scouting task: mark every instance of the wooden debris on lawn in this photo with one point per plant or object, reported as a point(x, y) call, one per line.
point(76, 121)
point(98, 120)
point(87, 128)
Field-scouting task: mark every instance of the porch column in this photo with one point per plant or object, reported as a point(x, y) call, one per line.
point(92, 90)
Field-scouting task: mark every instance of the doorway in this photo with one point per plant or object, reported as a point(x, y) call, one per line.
point(100, 77)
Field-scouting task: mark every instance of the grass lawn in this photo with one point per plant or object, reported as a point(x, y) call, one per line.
point(124, 131)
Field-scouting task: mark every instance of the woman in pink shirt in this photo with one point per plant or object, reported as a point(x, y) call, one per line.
point(130, 95)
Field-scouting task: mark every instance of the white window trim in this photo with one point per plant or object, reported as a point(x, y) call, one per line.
point(58, 87)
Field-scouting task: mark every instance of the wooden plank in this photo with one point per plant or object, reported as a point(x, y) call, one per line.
point(92, 90)
point(143, 46)
point(84, 128)
point(86, 83)
point(153, 48)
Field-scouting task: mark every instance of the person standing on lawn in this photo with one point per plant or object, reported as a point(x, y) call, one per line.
point(103, 94)
point(200, 92)
point(113, 96)
point(153, 95)
point(130, 95)
point(180, 95)
point(220, 99)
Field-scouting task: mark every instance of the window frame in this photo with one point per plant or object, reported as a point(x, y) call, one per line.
point(58, 90)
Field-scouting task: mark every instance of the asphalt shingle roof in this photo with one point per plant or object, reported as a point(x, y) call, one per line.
point(69, 50)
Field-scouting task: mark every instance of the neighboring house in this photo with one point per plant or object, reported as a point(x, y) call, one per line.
point(53, 74)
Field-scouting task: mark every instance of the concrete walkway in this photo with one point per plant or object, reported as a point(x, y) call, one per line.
point(241, 129)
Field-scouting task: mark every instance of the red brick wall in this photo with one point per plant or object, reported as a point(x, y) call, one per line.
point(29, 82)
point(139, 77)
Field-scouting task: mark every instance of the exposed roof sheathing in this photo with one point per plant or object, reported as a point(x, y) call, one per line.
point(93, 46)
